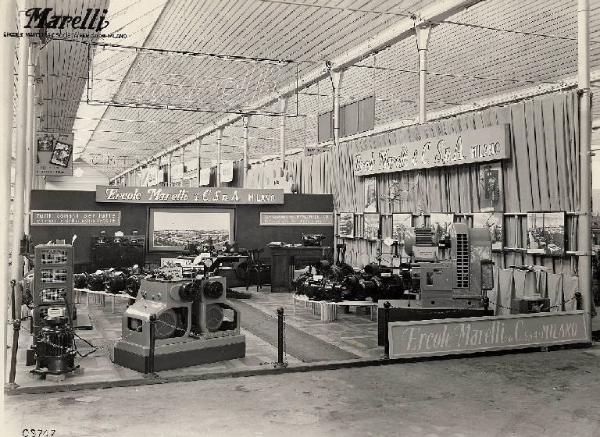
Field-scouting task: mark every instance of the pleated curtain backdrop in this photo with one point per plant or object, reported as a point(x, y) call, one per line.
point(541, 175)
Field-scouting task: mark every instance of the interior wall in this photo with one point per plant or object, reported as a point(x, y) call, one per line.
point(247, 230)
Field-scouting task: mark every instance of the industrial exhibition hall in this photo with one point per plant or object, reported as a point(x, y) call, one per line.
point(300, 217)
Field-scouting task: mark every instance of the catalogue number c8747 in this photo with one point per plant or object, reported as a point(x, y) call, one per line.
point(33, 432)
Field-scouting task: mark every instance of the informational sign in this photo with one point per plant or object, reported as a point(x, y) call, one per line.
point(195, 195)
point(54, 157)
point(479, 145)
point(314, 150)
point(296, 219)
point(75, 218)
point(479, 334)
point(226, 171)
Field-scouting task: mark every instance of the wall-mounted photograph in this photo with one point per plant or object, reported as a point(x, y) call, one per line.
point(370, 194)
point(494, 222)
point(439, 223)
point(491, 191)
point(346, 225)
point(546, 233)
point(173, 229)
point(371, 226)
point(402, 226)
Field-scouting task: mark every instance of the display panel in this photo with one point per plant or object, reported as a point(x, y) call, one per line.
point(173, 229)
point(494, 223)
point(346, 225)
point(371, 230)
point(439, 223)
point(546, 233)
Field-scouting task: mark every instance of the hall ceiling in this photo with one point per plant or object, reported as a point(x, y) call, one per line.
point(532, 42)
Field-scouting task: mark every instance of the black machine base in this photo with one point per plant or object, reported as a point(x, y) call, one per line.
point(204, 352)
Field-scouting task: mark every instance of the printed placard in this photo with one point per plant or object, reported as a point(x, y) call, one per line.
point(296, 219)
point(75, 218)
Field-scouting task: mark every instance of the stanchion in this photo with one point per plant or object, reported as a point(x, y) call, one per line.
point(386, 319)
point(16, 322)
point(280, 338)
point(150, 367)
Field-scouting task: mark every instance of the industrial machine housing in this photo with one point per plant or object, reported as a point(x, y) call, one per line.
point(195, 324)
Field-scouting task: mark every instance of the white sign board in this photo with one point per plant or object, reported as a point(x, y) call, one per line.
point(479, 334)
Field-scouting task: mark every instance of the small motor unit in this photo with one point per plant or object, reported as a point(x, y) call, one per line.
point(530, 304)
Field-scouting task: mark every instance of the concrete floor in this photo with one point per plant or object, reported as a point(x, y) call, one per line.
point(530, 394)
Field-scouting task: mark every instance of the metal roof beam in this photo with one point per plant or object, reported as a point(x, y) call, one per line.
point(405, 27)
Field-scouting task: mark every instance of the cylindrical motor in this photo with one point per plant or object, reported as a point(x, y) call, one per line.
point(55, 346)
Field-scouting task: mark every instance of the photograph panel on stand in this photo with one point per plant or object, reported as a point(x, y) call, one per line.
point(346, 225)
point(439, 222)
point(370, 194)
point(494, 222)
point(371, 226)
point(546, 233)
point(491, 190)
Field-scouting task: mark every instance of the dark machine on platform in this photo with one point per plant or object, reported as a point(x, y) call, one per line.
point(193, 324)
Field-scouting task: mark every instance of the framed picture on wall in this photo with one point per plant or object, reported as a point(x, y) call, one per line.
point(491, 190)
point(174, 228)
point(346, 225)
point(401, 223)
point(371, 226)
point(546, 233)
point(370, 194)
point(439, 222)
point(494, 222)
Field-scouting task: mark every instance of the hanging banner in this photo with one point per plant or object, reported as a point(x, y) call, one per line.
point(478, 334)
point(191, 165)
point(226, 171)
point(54, 157)
point(153, 173)
point(204, 176)
point(479, 145)
point(196, 195)
point(177, 171)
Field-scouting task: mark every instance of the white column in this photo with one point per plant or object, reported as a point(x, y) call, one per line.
point(7, 53)
point(283, 103)
point(19, 195)
point(336, 77)
point(422, 34)
point(30, 135)
point(246, 164)
point(219, 143)
point(584, 245)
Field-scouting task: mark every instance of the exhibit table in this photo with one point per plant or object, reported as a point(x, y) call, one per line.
point(286, 259)
point(101, 296)
point(328, 310)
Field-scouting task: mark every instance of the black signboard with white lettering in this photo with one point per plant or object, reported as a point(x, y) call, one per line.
point(195, 195)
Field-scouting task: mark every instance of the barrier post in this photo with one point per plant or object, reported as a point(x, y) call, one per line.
point(386, 319)
point(150, 367)
point(280, 362)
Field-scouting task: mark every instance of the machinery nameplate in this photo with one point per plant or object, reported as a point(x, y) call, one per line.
point(481, 334)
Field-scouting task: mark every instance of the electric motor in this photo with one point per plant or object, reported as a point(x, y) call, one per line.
point(213, 290)
point(55, 346)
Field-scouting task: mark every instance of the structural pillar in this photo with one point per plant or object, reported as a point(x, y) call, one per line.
point(336, 80)
point(422, 34)
point(584, 246)
point(219, 144)
point(246, 164)
point(7, 54)
point(19, 193)
point(30, 138)
point(283, 102)
point(169, 167)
